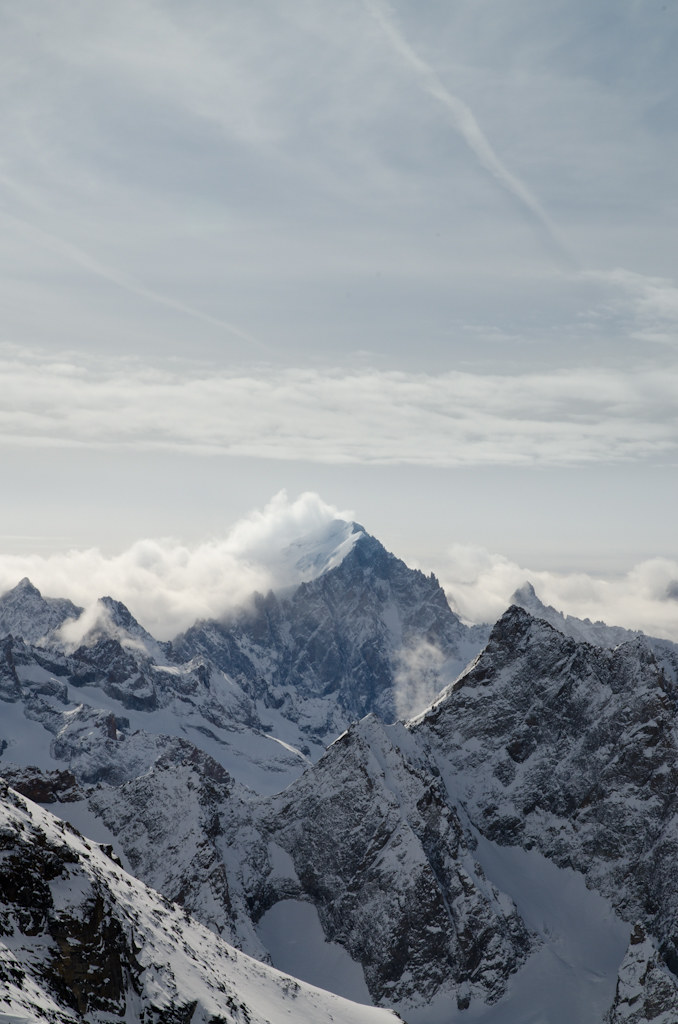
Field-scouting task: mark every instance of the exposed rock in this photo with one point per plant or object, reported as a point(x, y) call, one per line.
point(43, 786)
point(337, 636)
point(571, 748)
point(384, 857)
point(84, 942)
point(646, 989)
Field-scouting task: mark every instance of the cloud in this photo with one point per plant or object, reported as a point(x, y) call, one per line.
point(168, 585)
point(651, 301)
point(479, 585)
point(78, 256)
point(566, 417)
point(465, 122)
point(417, 678)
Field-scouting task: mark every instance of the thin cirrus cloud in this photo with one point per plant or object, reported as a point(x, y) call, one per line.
point(466, 123)
point(568, 417)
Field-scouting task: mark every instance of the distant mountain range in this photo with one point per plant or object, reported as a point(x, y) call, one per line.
point(343, 780)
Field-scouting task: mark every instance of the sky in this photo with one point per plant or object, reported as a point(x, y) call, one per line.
point(415, 260)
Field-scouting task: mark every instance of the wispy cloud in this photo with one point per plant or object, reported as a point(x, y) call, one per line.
point(418, 678)
point(566, 417)
point(72, 253)
point(465, 122)
point(652, 302)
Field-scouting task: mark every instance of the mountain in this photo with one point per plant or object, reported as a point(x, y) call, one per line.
point(26, 613)
point(373, 842)
point(570, 749)
point(348, 642)
point(82, 941)
point(465, 864)
point(112, 620)
point(597, 633)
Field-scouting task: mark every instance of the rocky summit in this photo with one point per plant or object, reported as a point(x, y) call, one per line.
point(344, 781)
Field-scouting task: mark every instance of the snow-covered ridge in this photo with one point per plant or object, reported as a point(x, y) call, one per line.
point(83, 941)
point(562, 744)
point(598, 633)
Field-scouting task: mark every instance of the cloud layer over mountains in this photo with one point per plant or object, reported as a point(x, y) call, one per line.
point(168, 585)
point(560, 417)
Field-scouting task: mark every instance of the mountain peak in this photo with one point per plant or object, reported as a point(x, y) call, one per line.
point(320, 549)
point(25, 586)
point(526, 592)
point(597, 633)
point(26, 613)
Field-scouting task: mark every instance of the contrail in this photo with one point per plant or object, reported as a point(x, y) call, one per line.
point(466, 124)
point(83, 259)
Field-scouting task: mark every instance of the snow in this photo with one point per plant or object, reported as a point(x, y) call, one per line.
point(181, 960)
point(292, 933)
point(78, 814)
point(282, 865)
point(28, 742)
point(255, 759)
point(573, 976)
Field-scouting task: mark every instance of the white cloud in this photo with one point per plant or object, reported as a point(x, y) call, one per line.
point(479, 585)
point(651, 301)
point(565, 417)
point(417, 678)
point(168, 585)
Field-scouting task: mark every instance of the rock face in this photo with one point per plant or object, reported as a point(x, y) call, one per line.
point(646, 990)
point(378, 849)
point(572, 749)
point(82, 941)
point(342, 636)
point(558, 739)
point(176, 807)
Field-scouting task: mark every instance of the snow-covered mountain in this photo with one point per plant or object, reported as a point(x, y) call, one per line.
point(342, 645)
point(597, 633)
point(26, 613)
point(83, 941)
point(464, 866)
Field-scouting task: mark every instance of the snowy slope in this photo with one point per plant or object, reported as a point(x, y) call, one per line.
point(80, 940)
point(466, 867)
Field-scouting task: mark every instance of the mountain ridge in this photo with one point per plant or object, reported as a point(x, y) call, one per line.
point(535, 748)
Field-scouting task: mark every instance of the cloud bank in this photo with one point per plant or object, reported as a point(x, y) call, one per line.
point(168, 585)
point(564, 417)
point(479, 585)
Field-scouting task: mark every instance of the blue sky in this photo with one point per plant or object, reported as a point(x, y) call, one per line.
point(419, 259)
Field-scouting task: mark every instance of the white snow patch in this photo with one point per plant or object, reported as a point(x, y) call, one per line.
point(293, 935)
point(572, 977)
